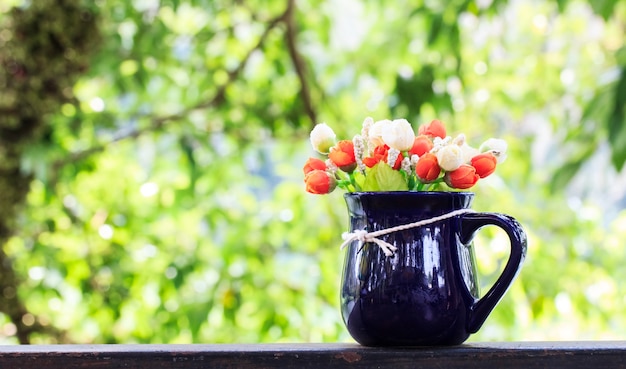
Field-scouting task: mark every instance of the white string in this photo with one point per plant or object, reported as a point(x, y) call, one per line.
point(364, 236)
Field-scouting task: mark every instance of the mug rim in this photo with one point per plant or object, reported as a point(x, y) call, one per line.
point(411, 193)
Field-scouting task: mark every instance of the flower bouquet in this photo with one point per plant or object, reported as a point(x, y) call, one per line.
point(409, 272)
point(389, 156)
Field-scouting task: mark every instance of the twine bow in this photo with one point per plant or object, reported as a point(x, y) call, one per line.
point(364, 236)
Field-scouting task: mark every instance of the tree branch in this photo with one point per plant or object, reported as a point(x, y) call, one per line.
point(298, 62)
point(158, 122)
point(288, 18)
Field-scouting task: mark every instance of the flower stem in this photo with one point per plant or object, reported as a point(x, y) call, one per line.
point(345, 184)
point(412, 184)
point(354, 182)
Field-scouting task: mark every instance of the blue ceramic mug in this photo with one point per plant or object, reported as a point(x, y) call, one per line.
point(426, 293)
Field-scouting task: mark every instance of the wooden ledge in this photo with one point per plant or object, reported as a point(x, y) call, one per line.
point(591, 354)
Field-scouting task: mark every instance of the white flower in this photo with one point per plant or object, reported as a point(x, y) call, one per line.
point(392, 156)
point(375, 135)
point(331, 168)
point(322, 138)
point(459, 140)
point(439, 143)
point(496, 146)
point(359, 149)
point(399, 135)
point(450, 157)
point(367, 124)
point(468, 152)
point(406, 166)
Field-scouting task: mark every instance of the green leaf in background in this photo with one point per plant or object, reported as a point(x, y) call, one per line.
point(564, 175)
point(603, 8)
point(167, 203)
point(383, 178)
point(562, 4)
point(617, 124)
point(415, 90)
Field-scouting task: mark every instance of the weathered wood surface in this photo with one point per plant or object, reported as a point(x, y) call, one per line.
point(593, 354)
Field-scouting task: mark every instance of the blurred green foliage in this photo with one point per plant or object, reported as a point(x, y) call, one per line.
point(167, 204)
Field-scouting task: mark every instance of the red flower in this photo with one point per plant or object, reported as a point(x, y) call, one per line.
point(433, 129)
point(381, 152)
point(421, 145)
point(427, 167)
point(342, 154)
point(462, 178)
point(485, 164)
point(319, 182)
point(313, 164)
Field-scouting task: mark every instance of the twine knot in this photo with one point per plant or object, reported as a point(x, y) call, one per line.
point(364, 236)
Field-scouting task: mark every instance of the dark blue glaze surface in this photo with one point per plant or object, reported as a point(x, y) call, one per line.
point(426, 293)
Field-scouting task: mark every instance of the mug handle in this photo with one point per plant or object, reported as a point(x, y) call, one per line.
point(470, 224)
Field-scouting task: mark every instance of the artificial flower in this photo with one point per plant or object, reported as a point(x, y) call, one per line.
point(313, 164)
point(496, 146)
point(406, 166)
point(450, 157)
point(485, 164)
point(398, 134)
point(365, 129)
point(462, 178)
point(342, 155)
point(359, 149)
point(375, 133)
point(322, 138)
point(319, 182)
point(433, 129)
point(468, 151)
point(381, 153)
point(427, 168)
point(421, 145)
point(390, 157)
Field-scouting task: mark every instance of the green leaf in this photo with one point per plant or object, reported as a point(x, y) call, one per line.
point(359, 179)
point(416, 90)
point(435, 28)
point(384, 178)
point(567, 171)
point(564, 175)
point(617, 124)
point(603, 8)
